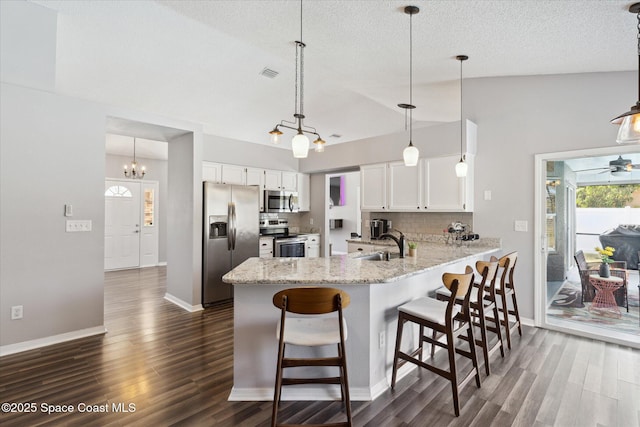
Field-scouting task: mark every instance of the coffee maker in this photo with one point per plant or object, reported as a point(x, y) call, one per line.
point(379, 227)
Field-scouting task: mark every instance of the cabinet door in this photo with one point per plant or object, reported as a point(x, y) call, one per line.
point(232, 174)
point(444, 191)
point(373, 187)
point(405, 187)
point(290, 181)
point(304, 197)
point(212, 172)
point(256, 177)
point(272, 180)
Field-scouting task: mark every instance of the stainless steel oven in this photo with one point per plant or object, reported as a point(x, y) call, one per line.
point(280, 201)
point(290, 246)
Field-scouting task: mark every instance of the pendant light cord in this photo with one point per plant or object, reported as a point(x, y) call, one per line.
point(411, 78)
point(638, 17)
point(299, 108)
point(461, 61)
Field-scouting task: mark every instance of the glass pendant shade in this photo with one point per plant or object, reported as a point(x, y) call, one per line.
point(410, 155)
point(461, 169)
point(275, 136)
point(319, 143)
point(300, 146)
point(629, 132)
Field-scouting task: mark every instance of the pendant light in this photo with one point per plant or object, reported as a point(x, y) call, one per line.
point(629, 132)
point(300, 142)
point(133, 173)
point(461, 167)
point(411, 153)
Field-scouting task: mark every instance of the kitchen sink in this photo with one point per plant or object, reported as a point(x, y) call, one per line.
point(378, 256)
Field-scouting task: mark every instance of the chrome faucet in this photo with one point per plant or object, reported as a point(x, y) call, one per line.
point(399, 241)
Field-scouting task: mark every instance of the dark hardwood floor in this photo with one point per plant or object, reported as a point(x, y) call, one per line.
point(175, 368)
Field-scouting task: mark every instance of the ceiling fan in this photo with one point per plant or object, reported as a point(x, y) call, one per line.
point(618, 166)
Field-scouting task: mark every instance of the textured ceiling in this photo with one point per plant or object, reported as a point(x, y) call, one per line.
point(201, 60)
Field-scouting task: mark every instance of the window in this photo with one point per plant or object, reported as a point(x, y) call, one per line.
point(118, 191)
point(149, 204)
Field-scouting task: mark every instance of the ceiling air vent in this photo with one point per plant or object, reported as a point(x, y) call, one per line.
point(268, 72)
point(335, 135)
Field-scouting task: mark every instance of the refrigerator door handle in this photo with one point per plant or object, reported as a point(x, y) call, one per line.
point(291, 202)
point(233, 231)
point(231, 226)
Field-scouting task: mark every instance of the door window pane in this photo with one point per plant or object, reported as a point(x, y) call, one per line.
point(149, 206)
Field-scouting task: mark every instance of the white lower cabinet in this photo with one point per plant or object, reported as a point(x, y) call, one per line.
point(266, 247)
point(313, 246)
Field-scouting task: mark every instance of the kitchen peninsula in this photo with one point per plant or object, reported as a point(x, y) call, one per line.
point(376, 288)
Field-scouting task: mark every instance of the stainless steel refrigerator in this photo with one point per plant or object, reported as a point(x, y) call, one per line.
point(230, 235)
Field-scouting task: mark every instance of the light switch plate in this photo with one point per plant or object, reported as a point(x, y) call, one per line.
point(521, 225)
point(77, 225)
point(487, 194)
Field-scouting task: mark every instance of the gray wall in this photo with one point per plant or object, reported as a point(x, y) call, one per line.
point(517, 117)
point(51, 154)
point(235, 152)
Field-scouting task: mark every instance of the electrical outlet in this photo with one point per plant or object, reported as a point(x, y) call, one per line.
point(487, 194)
point(16, 312)
point(310, 221)
point(381, 339)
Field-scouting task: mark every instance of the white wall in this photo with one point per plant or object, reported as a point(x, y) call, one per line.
point(235, 152)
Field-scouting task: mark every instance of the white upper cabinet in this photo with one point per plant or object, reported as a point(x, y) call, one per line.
point(290, 181)
point(232, 174)
point(432, 186)
point(443, 190)
point(272, 180)
point(212, 172)
point(304, 195)
point(280, 180)
point(373, 187)
point(256, 177)
point(405, 187)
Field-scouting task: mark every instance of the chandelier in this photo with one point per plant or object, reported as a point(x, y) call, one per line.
point(300, 142)
point(133, 173)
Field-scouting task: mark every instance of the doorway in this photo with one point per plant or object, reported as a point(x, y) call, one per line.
point(131, 224)
point(565, 227)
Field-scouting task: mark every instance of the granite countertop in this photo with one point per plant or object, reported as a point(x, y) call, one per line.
point(348, 269)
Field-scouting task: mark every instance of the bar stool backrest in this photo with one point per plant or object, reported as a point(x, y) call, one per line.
point(311, 300)
point(508, 263)
point(488, 277)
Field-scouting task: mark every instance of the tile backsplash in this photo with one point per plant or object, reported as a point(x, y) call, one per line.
point(417, 223)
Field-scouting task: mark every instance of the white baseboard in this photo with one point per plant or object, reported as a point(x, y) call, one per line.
point(55, 339)
point(310, 393)
point(183, 304)
point(527, 322)
point(162, 264)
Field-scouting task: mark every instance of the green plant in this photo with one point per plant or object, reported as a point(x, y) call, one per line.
point(412, 245)
point(605, 254)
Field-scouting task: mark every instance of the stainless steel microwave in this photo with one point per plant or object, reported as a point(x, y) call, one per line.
point(281, 201)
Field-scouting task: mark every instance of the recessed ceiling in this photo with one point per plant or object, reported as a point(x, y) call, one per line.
point(201, 61)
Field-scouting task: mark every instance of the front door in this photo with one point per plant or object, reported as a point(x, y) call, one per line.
point(122, 225)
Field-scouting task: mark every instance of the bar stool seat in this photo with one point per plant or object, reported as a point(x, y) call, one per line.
point(428, 309)
point(312, 331)
point(313, 326)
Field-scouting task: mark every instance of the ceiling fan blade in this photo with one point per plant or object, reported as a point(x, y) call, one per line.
point(595, 169)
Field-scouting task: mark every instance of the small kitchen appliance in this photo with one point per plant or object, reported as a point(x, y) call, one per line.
point(379, 227)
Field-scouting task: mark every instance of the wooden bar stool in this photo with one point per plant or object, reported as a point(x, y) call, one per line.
point(482, 304)
point(440, 317)
point(311, 330)
point(505, 289)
